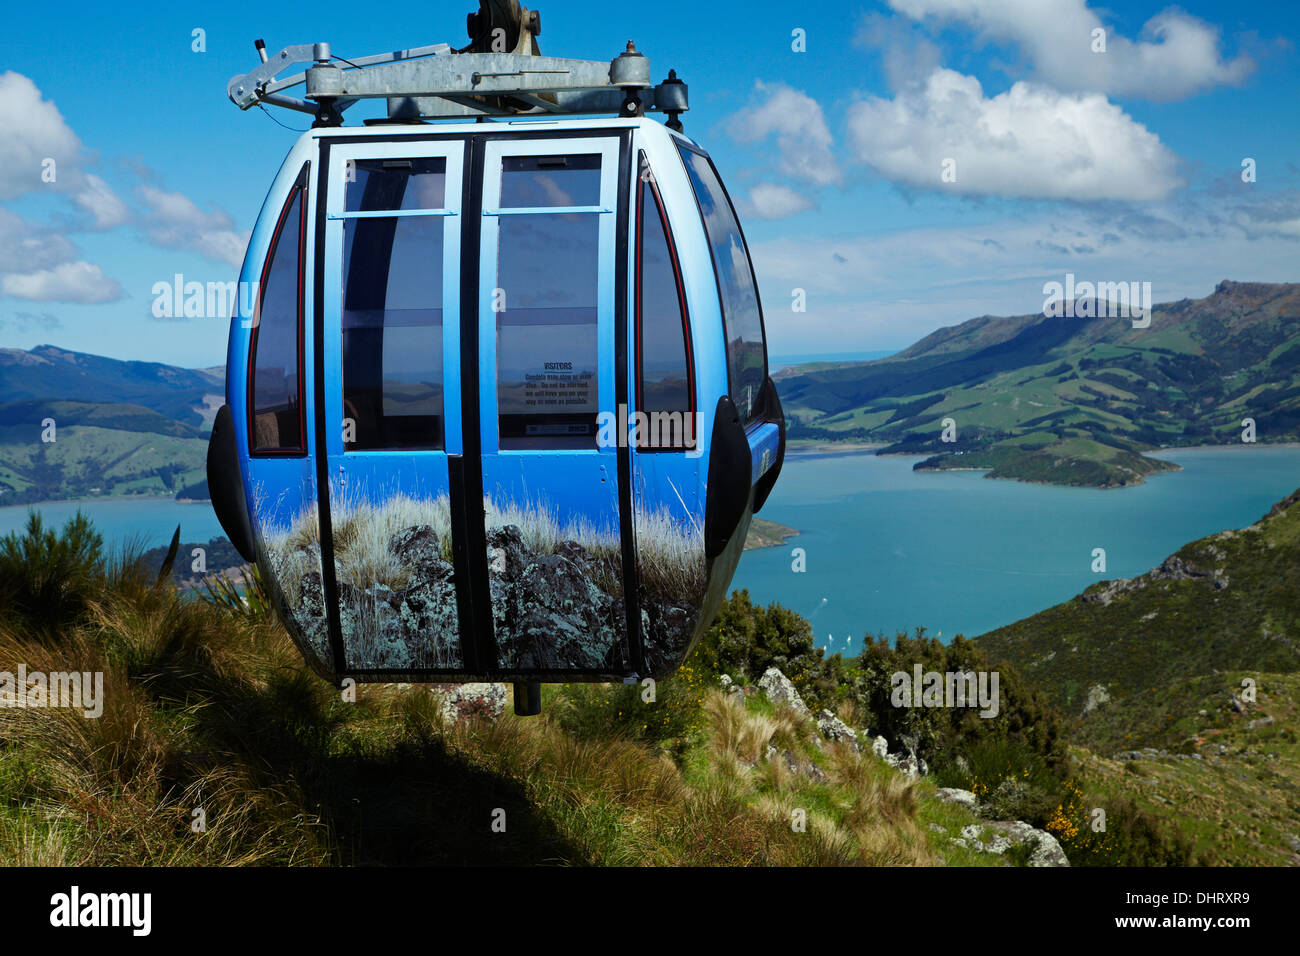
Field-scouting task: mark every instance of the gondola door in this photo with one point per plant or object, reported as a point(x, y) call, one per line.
point(548, 421)
point(391, 376)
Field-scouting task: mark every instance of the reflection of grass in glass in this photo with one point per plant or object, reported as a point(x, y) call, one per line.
point(671, 557)
point(364, 531)
point(543, 532)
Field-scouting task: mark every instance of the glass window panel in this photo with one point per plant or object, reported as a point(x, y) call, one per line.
point(546, 304)
point(742, 320)
point(381, 184)
point(392, 332)
point(662, 352)
point(529, 181)
point(277, 401)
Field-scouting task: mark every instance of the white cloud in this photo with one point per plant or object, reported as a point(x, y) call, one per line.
point(40, 152)
point(32, 130)
point(1178, 57)
point(888, 290)
point(176, 222)
point(67, 282)
point(24, 246)
point(104, 205)
point(804, 143)
point(1029, 142)
point(41, 265)
point(774, 201)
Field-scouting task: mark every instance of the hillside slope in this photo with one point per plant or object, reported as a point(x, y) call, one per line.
point(1230, 601)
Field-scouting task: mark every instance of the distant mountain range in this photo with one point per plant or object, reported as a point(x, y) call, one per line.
point(1059, 400)
point(120, 428)
point(1069, 400)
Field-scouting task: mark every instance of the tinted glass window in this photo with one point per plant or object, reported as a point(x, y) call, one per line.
point(276, 423)
point(392, 308)
point(548, 267)
point(550, 181)
point(376, 184)
point(746, 353)
point(663, 360)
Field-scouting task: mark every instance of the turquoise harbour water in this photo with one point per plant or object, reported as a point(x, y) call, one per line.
point(888, 549)
point(151, 521)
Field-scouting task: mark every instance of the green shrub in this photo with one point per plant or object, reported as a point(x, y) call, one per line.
point(47, 580)
point(605, 711)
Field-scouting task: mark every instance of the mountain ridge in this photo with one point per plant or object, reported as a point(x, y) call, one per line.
point(1069, 400)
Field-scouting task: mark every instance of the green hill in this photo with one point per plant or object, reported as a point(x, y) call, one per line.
point(1227, 602)
point(98, 449)
point(46, 373)
point(1070, 400)
point(121, 427)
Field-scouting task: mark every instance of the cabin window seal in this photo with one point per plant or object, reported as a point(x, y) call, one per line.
point(298, 192)
point(756, 413)
point(642, 182)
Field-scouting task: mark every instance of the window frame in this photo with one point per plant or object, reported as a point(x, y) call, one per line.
point(497, 148)
point(638, 303)
point(756, 410)
point(297, 192)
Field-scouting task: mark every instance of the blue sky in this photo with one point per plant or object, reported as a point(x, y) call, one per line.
point(1116, 165)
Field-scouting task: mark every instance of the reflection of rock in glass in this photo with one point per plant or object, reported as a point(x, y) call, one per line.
point(397, 596)
point(556, 586)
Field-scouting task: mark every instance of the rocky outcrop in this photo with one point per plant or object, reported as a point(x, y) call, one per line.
point(804, 768)
point(834, 729)
point(1046, 850)
point(1097, 695)
point(910, 765)
point(999, 836)
point(963, 798)
point(781, 690)
point(468, 701)
point(1173, 568)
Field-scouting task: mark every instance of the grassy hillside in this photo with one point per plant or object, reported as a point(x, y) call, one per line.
point(1230, 601)
point(208, 707)
point(1070, 400)
point(97, 450)
point(1229, 780)
point(1183, 684)
point(121, 427)
point(210, 715)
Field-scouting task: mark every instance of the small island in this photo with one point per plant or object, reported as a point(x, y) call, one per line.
point(767, 534)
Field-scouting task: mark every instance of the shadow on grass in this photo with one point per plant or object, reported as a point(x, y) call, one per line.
point(389, 797)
